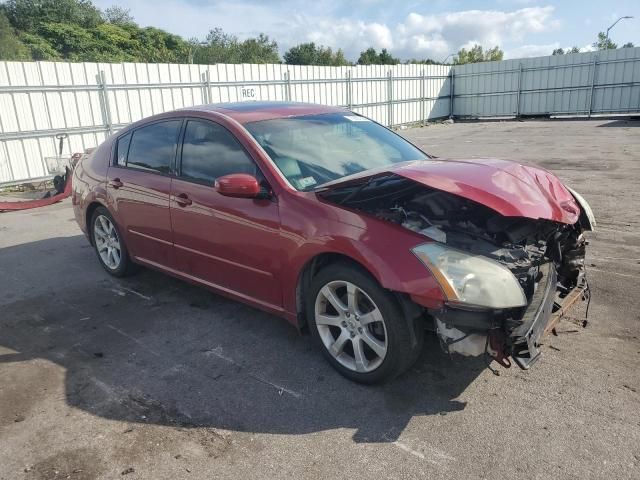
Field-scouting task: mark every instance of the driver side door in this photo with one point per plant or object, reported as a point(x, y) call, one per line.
point(231, 244)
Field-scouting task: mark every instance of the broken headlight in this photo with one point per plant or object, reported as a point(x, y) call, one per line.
point(471, 279)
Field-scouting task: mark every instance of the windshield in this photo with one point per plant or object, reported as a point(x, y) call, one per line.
point(315, 149)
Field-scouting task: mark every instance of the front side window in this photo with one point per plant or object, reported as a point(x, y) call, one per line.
point(315, 149)
point(210, 151)
point(153, 147)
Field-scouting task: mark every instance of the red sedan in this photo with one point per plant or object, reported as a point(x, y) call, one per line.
point(336, 223)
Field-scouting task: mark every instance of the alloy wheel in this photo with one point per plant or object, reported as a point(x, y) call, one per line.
point(107, 242)
point(351, 326)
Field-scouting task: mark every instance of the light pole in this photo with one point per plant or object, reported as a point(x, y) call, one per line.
point(614, 24)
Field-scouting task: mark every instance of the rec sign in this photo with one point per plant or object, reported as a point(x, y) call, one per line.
point(248, 93)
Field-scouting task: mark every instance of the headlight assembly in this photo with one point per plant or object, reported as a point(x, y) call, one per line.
point(471, 279)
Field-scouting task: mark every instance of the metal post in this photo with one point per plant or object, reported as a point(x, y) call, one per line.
point(451, 93)
point(206, 80)
point(287, 77)
point(518, 94)
point(390, 98)
point(104, 101)
point(593, 82)
point(349, 91)
point(422, 100)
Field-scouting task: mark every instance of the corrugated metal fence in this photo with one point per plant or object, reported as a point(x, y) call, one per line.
point(88, 101)
point(605, 82)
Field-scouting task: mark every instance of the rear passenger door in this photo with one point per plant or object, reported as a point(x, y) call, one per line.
point(139, 184)
point(229, 243)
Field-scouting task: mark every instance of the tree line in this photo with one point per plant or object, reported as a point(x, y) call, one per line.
point(602, 43)
point(77, 31)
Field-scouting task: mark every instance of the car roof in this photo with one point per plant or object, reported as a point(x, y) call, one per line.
point(246, 112)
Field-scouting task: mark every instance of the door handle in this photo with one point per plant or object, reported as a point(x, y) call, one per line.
point(116, 183)
point(183, 200)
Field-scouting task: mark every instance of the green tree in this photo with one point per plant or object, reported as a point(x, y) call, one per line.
point(114, 43)
point(302, 54)
point(387, 59)
point(476, 55)
point(561, 51)
point(66, 39)
point(27, 15)
point(337, 58)
point(222, 47)
point(11, 48)
point(118, 15)
point(425, 61)
point(259, 50)
point(368, 57)
point(628, 45)
point(310, 54)
point(604, 43)
point(371, 57)
point(158, 46)
point(39, 47)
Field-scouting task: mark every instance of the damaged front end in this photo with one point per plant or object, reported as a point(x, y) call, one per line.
point(504, 277)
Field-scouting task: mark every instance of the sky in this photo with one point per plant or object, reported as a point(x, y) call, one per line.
point(407, 28)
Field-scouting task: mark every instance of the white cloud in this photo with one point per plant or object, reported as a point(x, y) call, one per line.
point(450, 31)
point(354, 35)
point(294, 21)
point(426, 36)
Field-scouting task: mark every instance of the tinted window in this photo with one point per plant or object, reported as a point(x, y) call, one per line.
point(122, 148)
point(154, 147)
point(210, 151)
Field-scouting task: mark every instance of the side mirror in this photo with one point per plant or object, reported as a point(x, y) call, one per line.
point(241, 185)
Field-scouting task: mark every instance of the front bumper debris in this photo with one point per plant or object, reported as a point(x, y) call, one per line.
point(542, 315)
point(524, 340)
point(500, 335)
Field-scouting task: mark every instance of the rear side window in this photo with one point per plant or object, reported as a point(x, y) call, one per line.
point(122, 148)
point(154, 147)
point(210, 151)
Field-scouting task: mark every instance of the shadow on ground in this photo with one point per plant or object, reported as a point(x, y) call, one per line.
point(634, 122)
point(152, 349)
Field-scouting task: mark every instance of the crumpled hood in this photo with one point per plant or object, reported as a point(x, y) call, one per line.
point(509, 188)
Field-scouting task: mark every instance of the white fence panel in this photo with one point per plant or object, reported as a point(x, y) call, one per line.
point(85, 102)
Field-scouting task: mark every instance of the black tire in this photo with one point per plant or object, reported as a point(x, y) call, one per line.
point(403, 349)
point(125, 267)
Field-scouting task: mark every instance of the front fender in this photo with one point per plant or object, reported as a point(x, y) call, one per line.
point(383, 249)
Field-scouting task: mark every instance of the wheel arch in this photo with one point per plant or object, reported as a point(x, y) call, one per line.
point(410, 309)
point(311, 268)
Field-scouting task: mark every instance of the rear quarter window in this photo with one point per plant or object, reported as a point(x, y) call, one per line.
point(122, 149)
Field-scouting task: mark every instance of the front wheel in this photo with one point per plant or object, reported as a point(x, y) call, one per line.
point(359, 325)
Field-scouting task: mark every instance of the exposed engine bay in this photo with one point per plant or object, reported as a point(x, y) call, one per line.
point(537, 252)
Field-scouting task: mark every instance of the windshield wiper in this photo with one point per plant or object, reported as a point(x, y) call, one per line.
point(362, 187)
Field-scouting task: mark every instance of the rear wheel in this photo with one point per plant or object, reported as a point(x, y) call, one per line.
point(109, 245)
point(359, 326)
